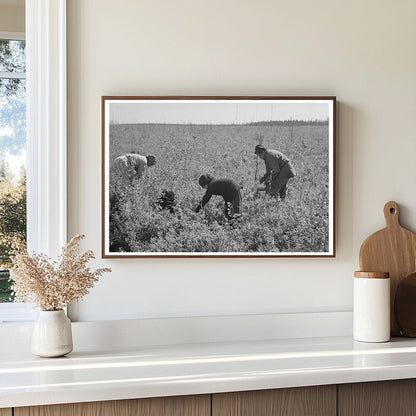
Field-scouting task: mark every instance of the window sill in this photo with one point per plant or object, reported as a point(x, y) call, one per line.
point(16, 313)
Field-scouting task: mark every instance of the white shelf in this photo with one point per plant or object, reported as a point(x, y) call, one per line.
point(151, 371)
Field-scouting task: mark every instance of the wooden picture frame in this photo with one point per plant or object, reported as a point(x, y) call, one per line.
point(161, 209)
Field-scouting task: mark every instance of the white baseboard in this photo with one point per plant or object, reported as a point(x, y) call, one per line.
point(127, 334)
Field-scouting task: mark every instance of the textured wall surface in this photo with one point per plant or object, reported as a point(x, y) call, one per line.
point(12, 18)
point(362, 52)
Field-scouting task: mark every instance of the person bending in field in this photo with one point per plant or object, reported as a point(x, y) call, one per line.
point(226, 188)
point(279, 170)
point(131, 165)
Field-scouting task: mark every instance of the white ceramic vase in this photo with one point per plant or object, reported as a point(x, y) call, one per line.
point(52, 334)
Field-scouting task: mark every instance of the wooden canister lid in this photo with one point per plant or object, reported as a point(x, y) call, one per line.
point(372, 275)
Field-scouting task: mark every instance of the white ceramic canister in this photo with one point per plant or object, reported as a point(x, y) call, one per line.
point(371, 310)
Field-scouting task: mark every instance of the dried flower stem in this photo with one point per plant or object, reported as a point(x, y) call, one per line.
point(53, 285)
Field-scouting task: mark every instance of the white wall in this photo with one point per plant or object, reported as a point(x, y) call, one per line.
point(361, 51)
point(12, 18)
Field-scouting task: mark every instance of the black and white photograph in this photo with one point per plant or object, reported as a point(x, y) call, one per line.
point(218, 176)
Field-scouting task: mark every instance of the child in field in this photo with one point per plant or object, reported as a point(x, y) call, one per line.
point(226, 188)
point(167, 201)
point(279, 170)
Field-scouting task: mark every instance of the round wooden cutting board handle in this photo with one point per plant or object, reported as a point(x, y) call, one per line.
point(393, 250)
point(391, 214)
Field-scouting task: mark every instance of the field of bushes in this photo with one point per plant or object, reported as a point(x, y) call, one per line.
point(185, 152)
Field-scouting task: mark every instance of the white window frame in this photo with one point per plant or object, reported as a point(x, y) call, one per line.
point(46, 133)
point(46, 125)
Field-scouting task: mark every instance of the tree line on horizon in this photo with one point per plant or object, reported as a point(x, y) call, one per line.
point(271, 123)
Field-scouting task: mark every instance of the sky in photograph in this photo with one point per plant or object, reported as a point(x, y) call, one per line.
point(224, 112)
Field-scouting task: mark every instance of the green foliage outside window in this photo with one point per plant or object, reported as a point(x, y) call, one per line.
point(12, 223)
point(12, 145)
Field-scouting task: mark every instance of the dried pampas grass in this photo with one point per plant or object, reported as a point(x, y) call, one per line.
point(53, 285)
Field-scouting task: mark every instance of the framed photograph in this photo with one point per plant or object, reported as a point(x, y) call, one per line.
point(218, 177)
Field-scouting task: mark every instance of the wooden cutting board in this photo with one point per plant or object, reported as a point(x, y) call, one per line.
point(393, 250)
point(405, 306)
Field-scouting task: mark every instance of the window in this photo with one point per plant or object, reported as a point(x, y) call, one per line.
point(46, 135)
point(12, 153)
point(12, 166)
